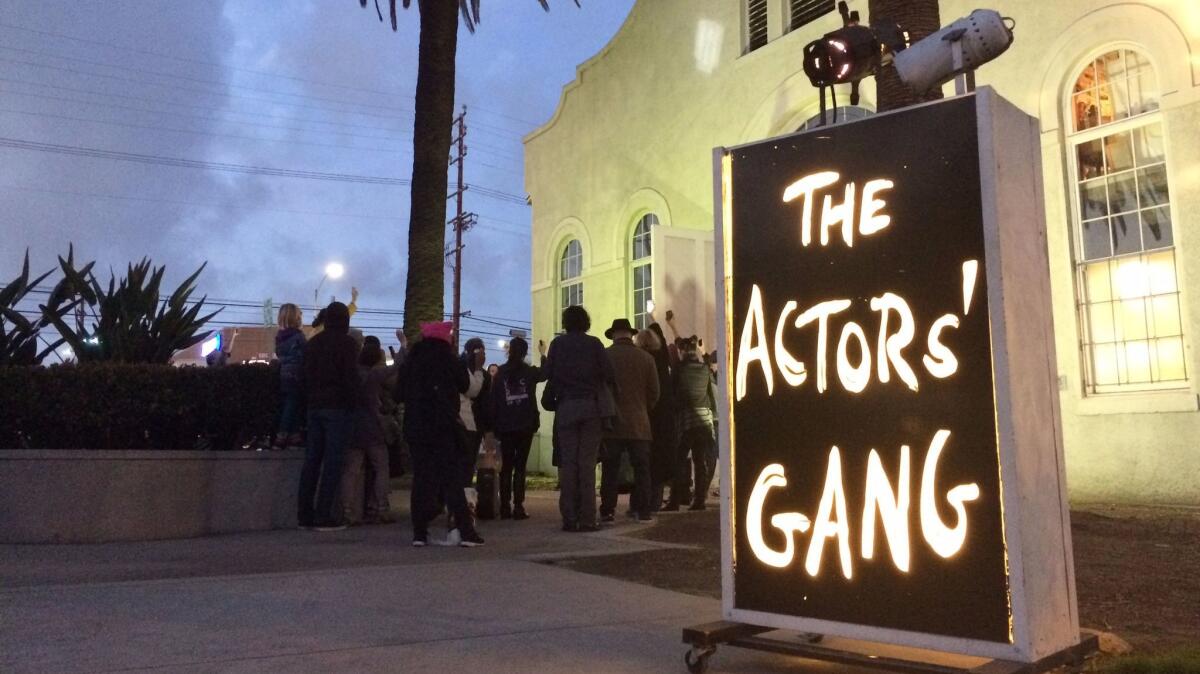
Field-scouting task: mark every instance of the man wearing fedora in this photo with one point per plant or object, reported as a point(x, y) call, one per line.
point(630, 431)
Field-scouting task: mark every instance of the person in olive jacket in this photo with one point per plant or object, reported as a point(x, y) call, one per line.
point(637, 393)
point(697, 405)
point(331, 383)
point(516, 418)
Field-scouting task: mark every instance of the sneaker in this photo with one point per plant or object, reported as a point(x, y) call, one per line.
point(670, 508)
point(587, 528)
point(697, 506)
point(519, 513)
point(420, 541)
point(471, 540)
point(644, 519)
point(453, 538)
point(328, 525)
point(607, 519)
point(305, 526)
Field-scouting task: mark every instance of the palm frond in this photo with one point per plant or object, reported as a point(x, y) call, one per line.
point(468, 8)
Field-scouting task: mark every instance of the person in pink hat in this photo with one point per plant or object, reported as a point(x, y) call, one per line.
point(429, 383)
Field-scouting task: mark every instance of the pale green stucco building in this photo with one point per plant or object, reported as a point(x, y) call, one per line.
point(621, 183)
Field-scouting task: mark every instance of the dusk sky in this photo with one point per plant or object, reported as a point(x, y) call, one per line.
point(321, 87)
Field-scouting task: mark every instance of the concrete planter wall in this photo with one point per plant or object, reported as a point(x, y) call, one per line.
point(94, 496)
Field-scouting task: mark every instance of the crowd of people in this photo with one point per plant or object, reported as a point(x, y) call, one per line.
point(642, 399)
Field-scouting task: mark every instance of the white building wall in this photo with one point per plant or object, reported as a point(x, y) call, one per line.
point(634, 134)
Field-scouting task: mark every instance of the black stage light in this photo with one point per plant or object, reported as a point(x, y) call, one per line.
point(852, 52)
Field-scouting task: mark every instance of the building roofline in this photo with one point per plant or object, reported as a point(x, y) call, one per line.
point(578, 81)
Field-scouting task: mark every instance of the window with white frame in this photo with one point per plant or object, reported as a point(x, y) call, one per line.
point(756, 24)
point(570, 269)
point(1127, 286)
point(642, 267)
point(803, 12)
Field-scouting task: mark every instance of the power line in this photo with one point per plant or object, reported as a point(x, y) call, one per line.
point(483, 147)
point(181, 59)
point(197, 80)
point(194, 163)
point(501, 168)
point(248, 305)
point(405, 136)
point(215, 134)
point(499, 194)
point(208, 108)
point(199, 117)
point(211, 64)
point(195, 90)
point(214, 204)
point(489, 322)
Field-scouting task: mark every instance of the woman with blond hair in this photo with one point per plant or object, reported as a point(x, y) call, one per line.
point(289, 350)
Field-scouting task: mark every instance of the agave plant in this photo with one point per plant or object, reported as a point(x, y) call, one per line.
point(18, 334)
point(129, 322)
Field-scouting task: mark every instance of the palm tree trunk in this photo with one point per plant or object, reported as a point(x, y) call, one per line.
point(920, 18)
point(425, 292)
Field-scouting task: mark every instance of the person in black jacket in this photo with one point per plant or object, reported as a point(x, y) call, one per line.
point(429, 384)
point(576, 369)
point(331, 383)
point(516, 418)
point(665, 444)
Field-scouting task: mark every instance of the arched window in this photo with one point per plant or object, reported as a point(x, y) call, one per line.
point(642, 269)
point(1128, 289)
point(570, 269)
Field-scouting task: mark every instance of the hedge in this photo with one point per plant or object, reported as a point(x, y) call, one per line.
point(115, 406)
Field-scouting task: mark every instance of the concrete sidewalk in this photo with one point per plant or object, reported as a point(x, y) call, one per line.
point(354, 601)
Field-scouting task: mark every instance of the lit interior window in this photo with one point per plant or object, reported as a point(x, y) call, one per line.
point(1132, 334)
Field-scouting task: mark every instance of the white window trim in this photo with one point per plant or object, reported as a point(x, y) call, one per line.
point(744, 10)
point(1138, 402)
point(1175, 396)
point(634, 264)
point(562, 283)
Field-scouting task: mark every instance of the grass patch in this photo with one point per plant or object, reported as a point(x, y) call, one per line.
point(1186, 661)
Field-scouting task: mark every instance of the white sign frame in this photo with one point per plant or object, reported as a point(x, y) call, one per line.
point(1044, 617)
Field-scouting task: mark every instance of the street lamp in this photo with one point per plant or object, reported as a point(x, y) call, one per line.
point(333, 270)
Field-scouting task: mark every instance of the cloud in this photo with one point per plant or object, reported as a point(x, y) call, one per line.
point(308, 85)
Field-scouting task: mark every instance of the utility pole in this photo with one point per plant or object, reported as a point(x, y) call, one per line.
point(462, 221)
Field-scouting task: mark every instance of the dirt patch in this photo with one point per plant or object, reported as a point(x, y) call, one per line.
point(1137, 569)
point(1138, 574)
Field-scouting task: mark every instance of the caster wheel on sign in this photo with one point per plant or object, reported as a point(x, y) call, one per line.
point(697, 660)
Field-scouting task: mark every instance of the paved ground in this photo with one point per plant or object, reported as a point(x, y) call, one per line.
point(359, 600)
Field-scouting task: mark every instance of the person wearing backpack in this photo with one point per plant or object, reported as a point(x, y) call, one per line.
point(516, 418)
